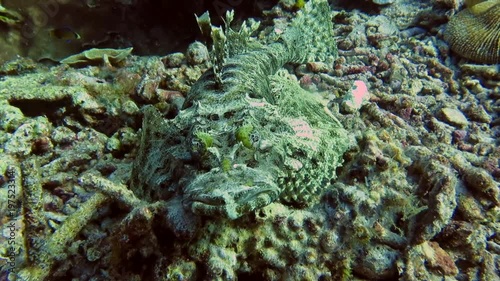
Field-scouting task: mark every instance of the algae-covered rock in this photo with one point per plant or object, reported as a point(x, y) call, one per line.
point(22, 139)
point(10, 117)
point(17, 66)
point(197, 53)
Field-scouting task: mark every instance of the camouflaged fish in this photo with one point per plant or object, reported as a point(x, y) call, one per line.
point(248, 134)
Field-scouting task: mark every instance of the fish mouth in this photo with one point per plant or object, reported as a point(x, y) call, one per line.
point(242, 195)
point(230, 207)
point(230, 194)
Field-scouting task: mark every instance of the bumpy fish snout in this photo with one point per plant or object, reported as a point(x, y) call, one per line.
point(230, 194)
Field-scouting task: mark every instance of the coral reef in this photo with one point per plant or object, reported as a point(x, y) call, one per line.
point(53, 127)
point(474, 33)
point(416, 196)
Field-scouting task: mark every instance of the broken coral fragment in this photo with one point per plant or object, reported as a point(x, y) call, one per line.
point(356, 97)
point(98, 56)
point(253, 133)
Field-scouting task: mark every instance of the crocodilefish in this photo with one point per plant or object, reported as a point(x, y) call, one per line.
point(247, 134)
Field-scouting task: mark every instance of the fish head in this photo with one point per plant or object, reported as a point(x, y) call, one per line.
point(230, 193)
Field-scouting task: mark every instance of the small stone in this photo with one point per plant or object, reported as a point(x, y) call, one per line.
point(287, 4)
point(127, 137)
point(481, 181)
point(477, 113)
point(384, 26)
point(469, 209)
point(318, 67)
point(377, 263)
point(130, 108)
point(63, 135)
point(454, 117)
point(415, 87)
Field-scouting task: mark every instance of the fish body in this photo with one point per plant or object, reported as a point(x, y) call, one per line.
point(248, 134)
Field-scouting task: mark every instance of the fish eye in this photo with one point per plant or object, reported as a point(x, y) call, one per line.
point(254, 137)
point(214, 117)
point(197, 145)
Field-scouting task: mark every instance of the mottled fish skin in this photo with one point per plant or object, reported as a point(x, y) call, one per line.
point(474, 33)
point(256, 137)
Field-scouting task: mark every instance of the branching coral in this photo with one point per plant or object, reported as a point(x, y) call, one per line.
point(271, 137)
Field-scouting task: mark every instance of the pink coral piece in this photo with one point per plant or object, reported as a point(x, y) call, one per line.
point(360, 92)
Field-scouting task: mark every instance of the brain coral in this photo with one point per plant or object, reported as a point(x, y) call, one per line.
point(474, 33)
